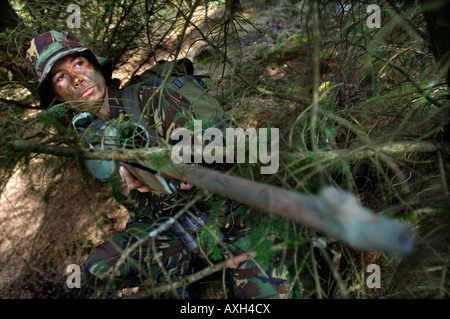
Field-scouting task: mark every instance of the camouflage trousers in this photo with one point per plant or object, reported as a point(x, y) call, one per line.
point(131, 256)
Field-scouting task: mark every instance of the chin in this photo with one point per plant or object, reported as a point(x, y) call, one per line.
point(95, 99)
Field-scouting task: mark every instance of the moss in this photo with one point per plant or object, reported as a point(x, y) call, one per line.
point(286, 50)
point(205, 55)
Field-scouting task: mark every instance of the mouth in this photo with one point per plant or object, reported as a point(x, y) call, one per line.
point(87, 91)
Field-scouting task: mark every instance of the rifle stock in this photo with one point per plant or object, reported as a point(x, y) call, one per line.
point(147, 177)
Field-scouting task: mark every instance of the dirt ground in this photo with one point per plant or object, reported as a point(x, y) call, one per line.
point(39, 240)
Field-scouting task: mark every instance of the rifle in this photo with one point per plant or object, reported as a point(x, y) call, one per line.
point(332, 211)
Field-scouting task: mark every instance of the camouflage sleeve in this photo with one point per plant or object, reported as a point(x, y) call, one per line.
point(140, 205)
point(165, 110)
point(162, 111)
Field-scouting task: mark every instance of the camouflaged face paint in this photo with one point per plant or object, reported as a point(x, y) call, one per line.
point(78, 82)
point(48, 48)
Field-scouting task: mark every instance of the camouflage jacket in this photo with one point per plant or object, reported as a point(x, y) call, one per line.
point(163, 112)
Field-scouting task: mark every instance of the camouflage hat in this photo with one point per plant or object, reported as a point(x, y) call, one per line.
point(51, 46)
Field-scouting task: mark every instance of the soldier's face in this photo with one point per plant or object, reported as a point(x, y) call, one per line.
point(78, 82)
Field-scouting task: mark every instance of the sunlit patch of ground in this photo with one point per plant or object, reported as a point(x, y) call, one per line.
point(39, 240)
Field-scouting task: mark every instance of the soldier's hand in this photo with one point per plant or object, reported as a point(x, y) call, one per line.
point(129, 182)
point(185, 187)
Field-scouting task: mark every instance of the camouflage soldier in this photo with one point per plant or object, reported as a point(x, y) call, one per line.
point(70, 73)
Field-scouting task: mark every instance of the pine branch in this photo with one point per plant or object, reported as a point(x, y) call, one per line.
point(389, 148)
point(116, 154)
point(143, 154)
point(194, 277)
point(333, 212)
point(238, 73)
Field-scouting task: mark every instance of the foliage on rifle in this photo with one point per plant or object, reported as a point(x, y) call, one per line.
point(213, 238)
point(115, 185)
point(159, 161)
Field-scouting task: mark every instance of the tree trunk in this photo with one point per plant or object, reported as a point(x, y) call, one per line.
point(437, 15)
point(8, 17)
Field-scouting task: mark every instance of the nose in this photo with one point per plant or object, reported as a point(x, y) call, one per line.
point(78, 79)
